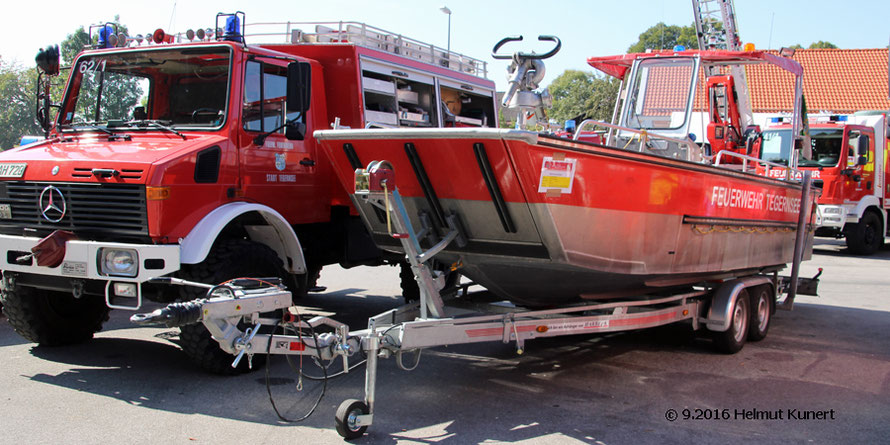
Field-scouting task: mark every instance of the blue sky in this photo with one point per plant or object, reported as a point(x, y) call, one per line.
point(587, 28)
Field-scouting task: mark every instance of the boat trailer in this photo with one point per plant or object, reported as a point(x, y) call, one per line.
point(446, 316)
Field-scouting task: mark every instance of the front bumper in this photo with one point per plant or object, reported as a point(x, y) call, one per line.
point(81, 260)
point(832, 216)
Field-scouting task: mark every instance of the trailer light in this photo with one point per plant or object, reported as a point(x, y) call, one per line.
point(685, 312)
point(157, 193)
point(126, 290)
point(542, 329)
point(118, 262)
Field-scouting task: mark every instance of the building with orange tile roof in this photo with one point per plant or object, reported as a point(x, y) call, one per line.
point(834, 81)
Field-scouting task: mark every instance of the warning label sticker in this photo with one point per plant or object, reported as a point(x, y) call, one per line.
point(557, 175)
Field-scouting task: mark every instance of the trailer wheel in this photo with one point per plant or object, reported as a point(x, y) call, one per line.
point(732, 340)
point(346, 418)
point(762, 303)
point(866, 236)
point(51, 318)
point(235, 258)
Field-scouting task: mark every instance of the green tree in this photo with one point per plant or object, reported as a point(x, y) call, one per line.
point(822, 45)
point(73, 45)
point(17, 103)
point(578, 93)
point(663, 36)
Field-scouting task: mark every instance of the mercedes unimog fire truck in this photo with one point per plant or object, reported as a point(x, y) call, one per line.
point(850, 163)
point(192, 156)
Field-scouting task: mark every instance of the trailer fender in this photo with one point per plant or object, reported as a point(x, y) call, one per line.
point(723, 302)
point(278, 235)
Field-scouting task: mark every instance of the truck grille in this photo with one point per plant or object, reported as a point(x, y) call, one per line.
point(97, 211)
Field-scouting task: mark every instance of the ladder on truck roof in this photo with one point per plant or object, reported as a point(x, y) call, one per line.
point(716, 29)
point(366, 36)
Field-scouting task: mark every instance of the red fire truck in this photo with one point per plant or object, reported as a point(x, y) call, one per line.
point(192, 155)
point(850, 162)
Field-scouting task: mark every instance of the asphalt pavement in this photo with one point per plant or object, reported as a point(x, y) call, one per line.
point(821, 376)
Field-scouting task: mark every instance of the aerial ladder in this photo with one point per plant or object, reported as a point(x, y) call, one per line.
point(731, 120)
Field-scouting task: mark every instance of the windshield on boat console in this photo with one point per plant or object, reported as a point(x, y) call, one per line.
point(660, 93)
point(148, 88)
point(826, 142)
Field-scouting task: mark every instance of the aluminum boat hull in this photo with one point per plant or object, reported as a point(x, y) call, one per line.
point(621, 222)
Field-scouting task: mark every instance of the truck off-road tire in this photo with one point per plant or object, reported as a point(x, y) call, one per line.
point(235, 258)
point(410, 288)
point(51, 318)
point(866, 236)
point(733, 339)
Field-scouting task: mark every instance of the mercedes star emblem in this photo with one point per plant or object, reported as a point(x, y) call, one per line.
point(52, 204)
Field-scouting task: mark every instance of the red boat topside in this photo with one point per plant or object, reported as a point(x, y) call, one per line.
point(536, 169)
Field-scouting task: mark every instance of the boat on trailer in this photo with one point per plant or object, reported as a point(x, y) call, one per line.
point(547, 220)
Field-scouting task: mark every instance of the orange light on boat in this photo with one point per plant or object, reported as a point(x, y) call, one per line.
point(542, 329)
point(748, 47)
point(157, 193)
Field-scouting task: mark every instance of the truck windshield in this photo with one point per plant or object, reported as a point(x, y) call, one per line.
point(660, 93)
point(184, 87)
point(826, 147)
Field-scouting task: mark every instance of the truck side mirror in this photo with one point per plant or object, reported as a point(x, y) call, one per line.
point(299, 86)
point(295, 131)
point(862, 150)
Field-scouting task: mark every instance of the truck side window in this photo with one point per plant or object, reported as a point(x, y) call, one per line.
point(265, 92)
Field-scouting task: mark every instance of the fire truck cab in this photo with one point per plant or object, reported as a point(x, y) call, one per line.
point(850, 163)
point(192, 155)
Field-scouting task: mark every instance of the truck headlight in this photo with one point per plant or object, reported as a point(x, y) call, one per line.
point(118, 262)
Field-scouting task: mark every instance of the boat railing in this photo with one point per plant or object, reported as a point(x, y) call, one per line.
point(694, 152)
point(719, 160)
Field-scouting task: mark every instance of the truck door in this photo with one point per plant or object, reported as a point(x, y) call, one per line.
point(860, 147)
point(280, 173)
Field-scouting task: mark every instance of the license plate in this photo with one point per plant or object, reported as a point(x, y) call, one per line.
point(5, 211)
point(12, 170)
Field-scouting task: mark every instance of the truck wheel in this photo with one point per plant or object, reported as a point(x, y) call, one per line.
point(410, 289)
point(732, 340)
point(762, 303)
point(235, 258)
point(51, 318)
point(866, 236)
